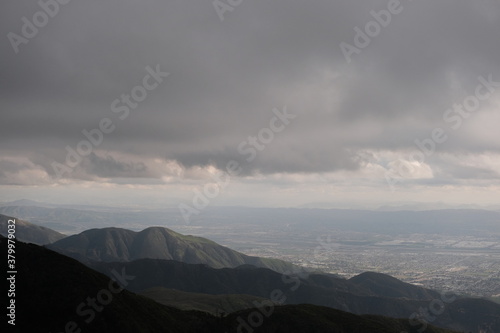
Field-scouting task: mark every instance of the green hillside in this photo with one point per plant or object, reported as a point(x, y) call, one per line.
point(116, 244)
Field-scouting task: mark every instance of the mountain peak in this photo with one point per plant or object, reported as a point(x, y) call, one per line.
point(384, 284)
point(116, 244)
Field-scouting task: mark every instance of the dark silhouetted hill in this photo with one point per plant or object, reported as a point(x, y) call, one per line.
point(382, 284)
point(366, 294)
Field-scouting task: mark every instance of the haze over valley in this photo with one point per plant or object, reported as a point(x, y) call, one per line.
point(456, 250)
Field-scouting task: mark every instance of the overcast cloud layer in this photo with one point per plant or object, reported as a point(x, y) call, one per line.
point(355, 122)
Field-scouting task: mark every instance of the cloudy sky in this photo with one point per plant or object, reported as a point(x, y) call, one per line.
point(341, 103)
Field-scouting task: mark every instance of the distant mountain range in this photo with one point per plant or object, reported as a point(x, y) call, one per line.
point(30, 233)
point(115, 244)
point(59, 294)
point(67, 220)
point(75, 219)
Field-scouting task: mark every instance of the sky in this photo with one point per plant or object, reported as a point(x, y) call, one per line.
point(250, 102)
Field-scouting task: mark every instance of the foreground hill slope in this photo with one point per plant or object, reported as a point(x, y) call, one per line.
point(116, 244)
point(214, 304)
point(30, 233)
point(51, 289)
point(310, 318)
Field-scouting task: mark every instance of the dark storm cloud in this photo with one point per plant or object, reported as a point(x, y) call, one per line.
point(110, 167)
point(278, 157)
point(226, 77)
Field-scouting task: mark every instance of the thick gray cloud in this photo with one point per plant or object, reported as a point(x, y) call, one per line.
point(226, 77)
